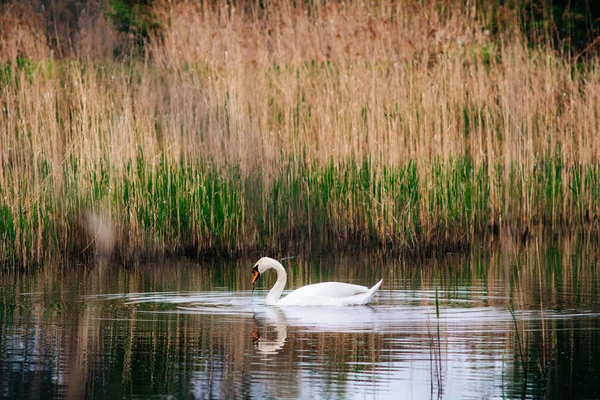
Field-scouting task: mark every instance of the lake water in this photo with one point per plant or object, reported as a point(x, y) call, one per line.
point(440, 327)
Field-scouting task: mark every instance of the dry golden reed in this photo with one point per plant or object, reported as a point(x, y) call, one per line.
point(398, 123)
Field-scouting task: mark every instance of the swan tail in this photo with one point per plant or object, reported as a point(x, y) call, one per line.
point(369, 295)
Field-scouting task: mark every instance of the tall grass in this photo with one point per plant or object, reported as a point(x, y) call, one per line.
point(397, 124)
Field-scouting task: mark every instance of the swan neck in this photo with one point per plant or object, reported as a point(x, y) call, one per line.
point(275, 293)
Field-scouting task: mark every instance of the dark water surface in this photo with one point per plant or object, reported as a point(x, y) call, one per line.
point(440, 327)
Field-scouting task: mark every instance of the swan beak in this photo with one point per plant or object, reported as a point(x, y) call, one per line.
point(256, 275)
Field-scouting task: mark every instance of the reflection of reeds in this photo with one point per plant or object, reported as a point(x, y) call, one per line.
point(105, 348)
point(524, 361)
point(405, 125)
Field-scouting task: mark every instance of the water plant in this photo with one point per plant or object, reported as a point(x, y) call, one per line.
point(253, 140)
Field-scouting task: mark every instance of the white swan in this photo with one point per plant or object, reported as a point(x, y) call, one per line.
point(319, 294)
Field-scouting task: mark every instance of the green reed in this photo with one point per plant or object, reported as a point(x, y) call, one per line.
point(192, 206)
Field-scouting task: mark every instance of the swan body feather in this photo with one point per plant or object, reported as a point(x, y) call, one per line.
point(318, 294)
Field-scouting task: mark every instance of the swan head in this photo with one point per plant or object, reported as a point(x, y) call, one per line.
point(261, 266)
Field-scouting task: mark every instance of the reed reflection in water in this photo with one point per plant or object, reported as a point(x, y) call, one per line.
point(197, 331)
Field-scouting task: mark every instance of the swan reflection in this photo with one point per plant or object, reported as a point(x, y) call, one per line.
point(271, 324)
point(262, 343)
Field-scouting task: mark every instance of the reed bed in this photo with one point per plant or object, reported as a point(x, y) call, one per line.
point(402, 125)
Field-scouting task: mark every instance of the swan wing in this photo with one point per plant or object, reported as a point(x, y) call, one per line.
point(330, 293)
point(329, 289)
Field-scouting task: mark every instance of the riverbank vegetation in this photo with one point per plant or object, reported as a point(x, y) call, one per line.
point(407, 125)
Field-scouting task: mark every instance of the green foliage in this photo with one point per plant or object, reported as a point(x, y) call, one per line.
point(573, 25)
point(134, 18)
point(193, 206)
point(577, 22)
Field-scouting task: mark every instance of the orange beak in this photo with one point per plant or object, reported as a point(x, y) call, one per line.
point(255, 276)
